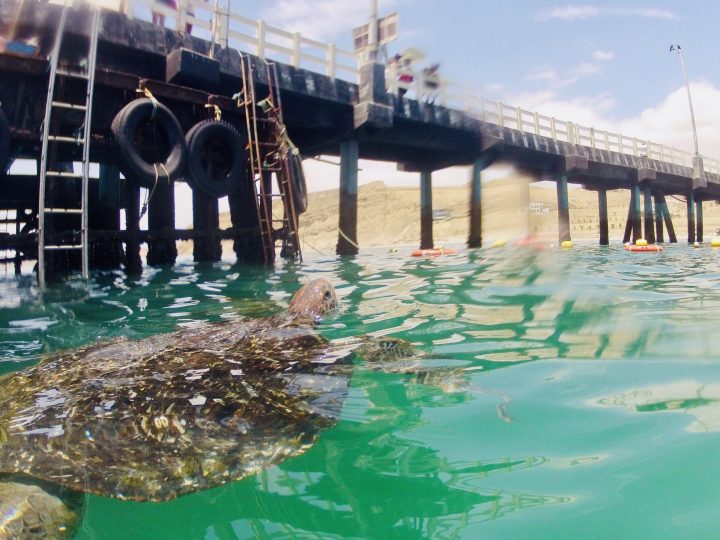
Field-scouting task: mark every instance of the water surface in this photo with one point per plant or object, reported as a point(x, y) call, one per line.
point(589, 406)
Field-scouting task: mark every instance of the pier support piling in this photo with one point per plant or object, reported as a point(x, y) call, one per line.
point(668, 221)
point(603, 216)
point(206, 220)
point(347, 222)
point(690, 201)
point(627, 235)
point(563, 209)
point(426, 217)
point(161, 219)
point(649, 221)
point(247, 234)
point(133, 262)
point(699, 220)
point(104, 215)
point(636, 213)
point(475, 236)
point(659, 232)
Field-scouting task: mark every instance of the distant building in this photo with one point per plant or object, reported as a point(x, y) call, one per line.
point(538, 208)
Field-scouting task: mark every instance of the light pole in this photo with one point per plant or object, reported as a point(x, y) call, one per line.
point(678, 49)
point(373, 32)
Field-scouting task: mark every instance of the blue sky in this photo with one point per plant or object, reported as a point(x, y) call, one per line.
point(600, 64)
point(610, 54)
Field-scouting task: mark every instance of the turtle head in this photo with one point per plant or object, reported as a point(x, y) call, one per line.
point(313, 301)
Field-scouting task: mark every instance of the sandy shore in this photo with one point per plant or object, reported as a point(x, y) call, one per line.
point(390, 216)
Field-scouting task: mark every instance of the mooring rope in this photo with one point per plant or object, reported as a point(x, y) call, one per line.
point(340, 231)
point(151, 192)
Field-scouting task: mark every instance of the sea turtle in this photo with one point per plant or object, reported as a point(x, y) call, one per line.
point(174, 413)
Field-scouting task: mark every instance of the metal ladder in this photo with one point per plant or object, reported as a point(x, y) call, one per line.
point(53, 140)
point(269, 147)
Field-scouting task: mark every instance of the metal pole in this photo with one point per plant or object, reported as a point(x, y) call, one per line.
point(373, 32)
point(687, 85)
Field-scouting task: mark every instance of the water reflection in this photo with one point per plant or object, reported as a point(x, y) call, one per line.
point(370, 477)
point(386, 468)
point(700, 400)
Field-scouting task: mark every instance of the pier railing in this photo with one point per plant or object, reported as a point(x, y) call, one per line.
point(212, 20)
point(215, 22)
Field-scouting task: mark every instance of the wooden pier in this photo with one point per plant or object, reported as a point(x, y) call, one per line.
point(199, 81)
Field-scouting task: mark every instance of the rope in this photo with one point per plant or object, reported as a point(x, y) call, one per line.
point(216, 111)
point(150, 193)
point(314, 248)
point(340, 231)
point(148, 94)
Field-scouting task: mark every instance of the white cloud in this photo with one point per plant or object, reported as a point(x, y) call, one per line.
point(493, 88)
point(319, 19)
point(552, 79)
point(667, 122)
point(603, 56)
point(570, 13)
point(653, 13)
point(574, 12)
point(543, 74)
point(587, 111)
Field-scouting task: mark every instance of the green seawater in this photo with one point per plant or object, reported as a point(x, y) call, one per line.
point(590, 407)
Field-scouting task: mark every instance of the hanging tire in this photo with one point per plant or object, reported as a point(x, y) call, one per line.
point(169, 151)
point(4, 142)
point(298, 183)
point(227, 176)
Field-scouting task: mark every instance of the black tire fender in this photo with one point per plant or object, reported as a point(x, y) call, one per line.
point(4, 142)
point(132, 164)
point(196, 139)
point(299, 186)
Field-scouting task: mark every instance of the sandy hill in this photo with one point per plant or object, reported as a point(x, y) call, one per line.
point(391, 215)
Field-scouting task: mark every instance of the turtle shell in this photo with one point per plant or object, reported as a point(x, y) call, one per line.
point(173, 413)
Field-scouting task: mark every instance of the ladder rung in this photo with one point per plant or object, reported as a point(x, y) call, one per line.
point(60, 138)
point(63, 174)
point(64, 210)
point(69, 73)
point(74, 106)
point(58, 248)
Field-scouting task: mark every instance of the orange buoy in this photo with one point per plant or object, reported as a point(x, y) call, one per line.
point(641, 249)
point(434, 252)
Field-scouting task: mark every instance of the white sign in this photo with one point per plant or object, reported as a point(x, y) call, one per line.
point(387, 32)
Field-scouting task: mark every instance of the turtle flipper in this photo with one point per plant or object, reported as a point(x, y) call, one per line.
point(29, 511)
point(393, 355)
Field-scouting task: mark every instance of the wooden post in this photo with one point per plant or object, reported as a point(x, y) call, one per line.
point(699, 220)
point(267, 177)
point(426, 217)
point(603, 209)
point(649, 225)
point(475, 237)
point(161, 219)
point(636, 213)
point(690, 201)
point(206, 220)
point(104, 215)
point(629, 222)
point(133, 262)
point(247, 234)
point(563, 209)
point(659, 231)
point(347, 225)
point(668, 221)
